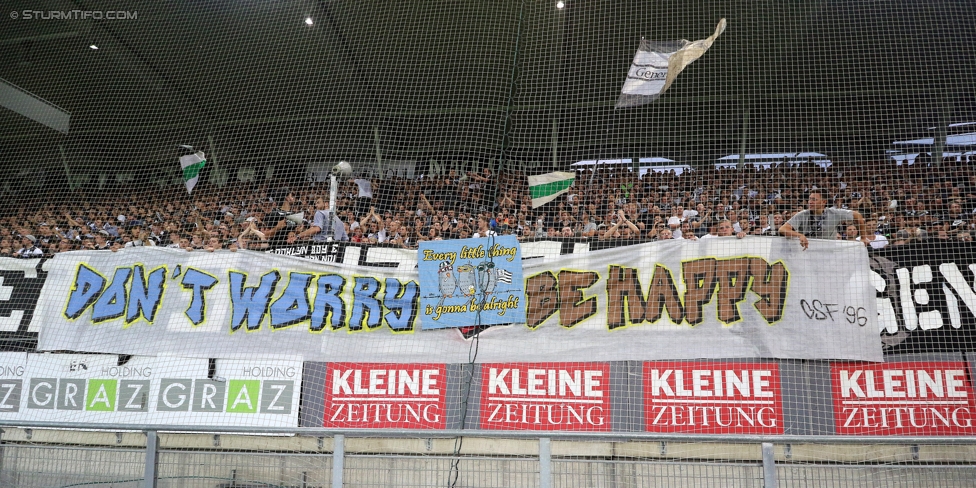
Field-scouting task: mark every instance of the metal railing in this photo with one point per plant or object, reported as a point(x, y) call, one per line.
point(532, 464)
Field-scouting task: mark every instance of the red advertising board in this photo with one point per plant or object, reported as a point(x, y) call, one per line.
point(546, 396)
point(385, 396)
point(903, 398)
point(712, 398)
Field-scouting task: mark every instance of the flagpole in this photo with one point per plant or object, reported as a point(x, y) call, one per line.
point(213, 152)
point(67, 173)
point(511, 96)
point(745, 136)
point(333, 192)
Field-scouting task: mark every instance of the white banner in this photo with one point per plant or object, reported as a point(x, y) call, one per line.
point(148, 390)
point(714, 298)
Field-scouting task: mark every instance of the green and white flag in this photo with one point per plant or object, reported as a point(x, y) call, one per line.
point(192, 165)
point(545, 188)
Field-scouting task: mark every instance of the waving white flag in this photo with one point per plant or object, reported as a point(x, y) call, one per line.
point(545, 188)
point(657, 64)
point(192, 165)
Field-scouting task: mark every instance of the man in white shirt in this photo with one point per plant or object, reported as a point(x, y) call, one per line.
point(483, 230)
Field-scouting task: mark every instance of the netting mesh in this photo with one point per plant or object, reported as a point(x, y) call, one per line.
point(509, 215)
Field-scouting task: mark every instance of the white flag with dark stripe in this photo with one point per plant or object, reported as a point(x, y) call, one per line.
point(657, 64)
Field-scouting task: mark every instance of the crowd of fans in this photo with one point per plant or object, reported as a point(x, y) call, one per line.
point(900, 204)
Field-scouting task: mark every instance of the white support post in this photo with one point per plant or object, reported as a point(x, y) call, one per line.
point(152, 459)
point(769, 465)
point(338, 456)
point(545, 463)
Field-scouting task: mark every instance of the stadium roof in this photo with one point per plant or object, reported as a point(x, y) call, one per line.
point(252, 81)
point(775, 156)
point(652, 160)
point(955, 140)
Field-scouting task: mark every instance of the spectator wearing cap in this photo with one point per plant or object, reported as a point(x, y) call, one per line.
point(29, 249)
point(44, 233)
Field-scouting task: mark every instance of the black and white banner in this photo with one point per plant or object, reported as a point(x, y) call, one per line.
point(21, 281)
point(926, 296)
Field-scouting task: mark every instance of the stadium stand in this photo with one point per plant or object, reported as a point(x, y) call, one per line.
point(900, 202)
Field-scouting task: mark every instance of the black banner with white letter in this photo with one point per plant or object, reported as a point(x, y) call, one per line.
point(926, 296)
point(20, 286)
